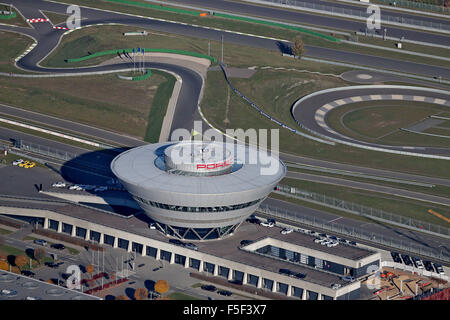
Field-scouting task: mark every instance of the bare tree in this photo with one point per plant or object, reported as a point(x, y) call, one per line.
point(298, 48)
point(39, 254)
point(141, 294)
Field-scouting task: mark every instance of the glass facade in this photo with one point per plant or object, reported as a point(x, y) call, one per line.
point(196, 209)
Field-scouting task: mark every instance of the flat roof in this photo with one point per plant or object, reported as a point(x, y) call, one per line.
point(24, 287)
point(227, 248)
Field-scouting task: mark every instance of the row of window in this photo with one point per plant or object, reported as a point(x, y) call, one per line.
point(196, 209)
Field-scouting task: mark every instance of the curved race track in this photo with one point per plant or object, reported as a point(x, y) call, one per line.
point(310, 112)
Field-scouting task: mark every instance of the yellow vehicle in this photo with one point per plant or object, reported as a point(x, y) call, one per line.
point(25, 163)
point(29, 165)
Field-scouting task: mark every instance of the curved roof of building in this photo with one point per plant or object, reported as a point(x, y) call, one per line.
point(139, 166)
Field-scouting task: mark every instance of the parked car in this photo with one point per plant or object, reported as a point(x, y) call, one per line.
point(319, 240)
point(300, 275)
point(224, 293)
point(40, 242)
point(191, 246)
point(254, 220)
point(347, 278)
point(323, 235)
point(343, 240)
point(417, 262)
point(209, 288)
point(438, 267)
point(333, 238)
point(326, 242)
point(246, 242)
point(59, 185)
point(406, 259)
point(98, 189)
point(8, 293)
point(52, 265)
point(335, 286)
point(332, 244)
point(24, 163)
point(286, 272)
point(28, 273)
point(267, 224)
point(428, 265)
point(287, 231)
point(29, 165)
point(75, 187)
point(58, 246)
point(17, 162)
point(353, 243)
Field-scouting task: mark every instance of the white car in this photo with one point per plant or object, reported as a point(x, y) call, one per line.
point(17, 162)
point(59, 185)
point(267, 224)
point(326, 242)
point(319, 240)
point(332, 244)
point(287, 231)
point(335, 286)
point(152, 226)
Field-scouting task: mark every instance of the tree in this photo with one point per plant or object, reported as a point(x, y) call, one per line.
point(20, 261)
point(298, 49)
point(39, 254)
point(161, 286)
point(4, 265)
point(122, 298)
point(141, 294)
point(89, 269)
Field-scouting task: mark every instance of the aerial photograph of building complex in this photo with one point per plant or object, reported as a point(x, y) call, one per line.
point(204, 151)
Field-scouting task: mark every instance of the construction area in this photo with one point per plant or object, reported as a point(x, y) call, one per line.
point(395, 284)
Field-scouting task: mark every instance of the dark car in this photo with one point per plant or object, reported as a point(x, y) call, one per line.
point(396, 257)
point(286, 272)
point(271, 221)
point(224, 293)
point(428, 265)
point(52, 265)
point(208, 288)
point(254, 220)
point(353, 243)
point(246, 242)
point(300, 275)
point(406, 259)
point(439, 268)
point(333, 237)
point(176, 242)
point(58, 246)
point(27, 273)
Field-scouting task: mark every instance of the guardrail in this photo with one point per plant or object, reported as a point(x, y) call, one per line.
point(353, 232)
point(358, 14)
point(415, 5)
point(266, 115)
point(361, 210)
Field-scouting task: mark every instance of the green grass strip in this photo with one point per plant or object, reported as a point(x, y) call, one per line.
point(159, 107)
point(8, 16)
point(229, 16)
point(146, 75)
point(130, 50)
point(279, 25)
point(155, 6)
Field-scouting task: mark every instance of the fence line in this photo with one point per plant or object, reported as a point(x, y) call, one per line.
point(354, 232)
point(365, 211)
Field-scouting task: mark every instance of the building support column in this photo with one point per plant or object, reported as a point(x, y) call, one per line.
point(244, 278)
point(116, 242)
point(304, 294)
point(230, 274)
point(274, 286)
point(200, 267)
point(102, 238)
point(88, 235)
point(45, 223)
point(74, 231)
point(319, 296)
point(144, 250)
point(289, 290)
point(158, 252)
point(216, 270)
point(129, 246)
point(259, 283)
point(172, 258)
point(186, 262)
point(59, 226)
